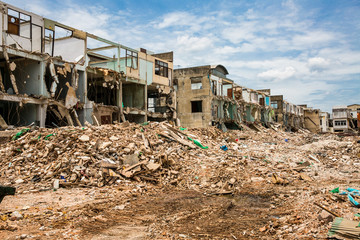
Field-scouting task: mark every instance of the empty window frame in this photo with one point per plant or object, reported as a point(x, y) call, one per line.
point(274, 104)
point(340, 123)
point(214, 87)
point(131, 59)
point(61, 32)
point(262, 101)
point(196, 106)
point(161, 68)
point(230, 93)
point(196, 83)
point(19, 23)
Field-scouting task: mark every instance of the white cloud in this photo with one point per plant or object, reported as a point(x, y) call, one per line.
point(189, 43)
point(278, 74)
point(176, 19)
point(244, 32)
point(316, 38)
point(318, 63)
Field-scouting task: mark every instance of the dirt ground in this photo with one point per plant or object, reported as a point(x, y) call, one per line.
point(160, 214)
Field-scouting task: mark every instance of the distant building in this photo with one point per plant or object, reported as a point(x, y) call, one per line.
point(324, 122)
point(355, 115)
point(341, 116)
point(312, 119)
point(289, 115)
point(205, 96)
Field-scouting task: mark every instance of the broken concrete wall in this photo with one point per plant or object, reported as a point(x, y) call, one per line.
point(312, 120)
point(167, 56)
point(29, 75)
point(134, 96)
point(105, 114)
point(246, 95)
point(194, 106)
point(250, 113)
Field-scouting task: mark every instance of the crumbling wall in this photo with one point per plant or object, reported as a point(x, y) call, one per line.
point(134, 95)
point(185, 96)
point(312, 120)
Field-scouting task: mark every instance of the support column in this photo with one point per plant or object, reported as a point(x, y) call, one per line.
point(120, 103)
point(41, 114)
point(146, 102)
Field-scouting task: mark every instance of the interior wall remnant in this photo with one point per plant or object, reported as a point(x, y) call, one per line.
point(134, 95)
point(105, 114)
point(16, 114)
point(28, 74)
point(102, 88)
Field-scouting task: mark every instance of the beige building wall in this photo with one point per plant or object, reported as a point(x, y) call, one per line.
point(185, 95)
point(312, 120)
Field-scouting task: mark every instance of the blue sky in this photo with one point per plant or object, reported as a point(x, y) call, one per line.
point(308, 51)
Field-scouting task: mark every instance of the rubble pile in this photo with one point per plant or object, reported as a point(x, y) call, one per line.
point(293, 171)
point(92, 156)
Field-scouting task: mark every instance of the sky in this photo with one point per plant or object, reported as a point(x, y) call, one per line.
point(306, 50)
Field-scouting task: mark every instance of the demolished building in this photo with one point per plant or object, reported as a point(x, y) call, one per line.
point(355, 115)
point(290, 116)
point(341, 118)
point(205, 97)
point(312, 119)
point(56, 75)
point(254, 105)
point(37, 84)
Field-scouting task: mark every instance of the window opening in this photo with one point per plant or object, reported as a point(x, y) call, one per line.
point(131, 59)
point(196, 83)
point(19, 23)
point(196, 106)
point(61, 32)
point(340, 123)
point(214, 87)
point(274, 104)
point(161, 68)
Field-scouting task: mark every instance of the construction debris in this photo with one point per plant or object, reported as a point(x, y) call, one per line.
point(283, 179)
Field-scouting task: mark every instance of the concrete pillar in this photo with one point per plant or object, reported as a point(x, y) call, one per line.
point(145, 102)
point(41, 114)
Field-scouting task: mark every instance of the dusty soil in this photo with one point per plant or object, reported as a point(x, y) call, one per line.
point(68, 213)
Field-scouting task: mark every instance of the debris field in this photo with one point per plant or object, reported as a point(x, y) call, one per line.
point(158, 181)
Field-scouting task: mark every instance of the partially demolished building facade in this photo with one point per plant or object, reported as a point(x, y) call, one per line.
point(341, 118)
point(255, 105)
point(56, 75)
point(289, 115)
point(205, 97)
